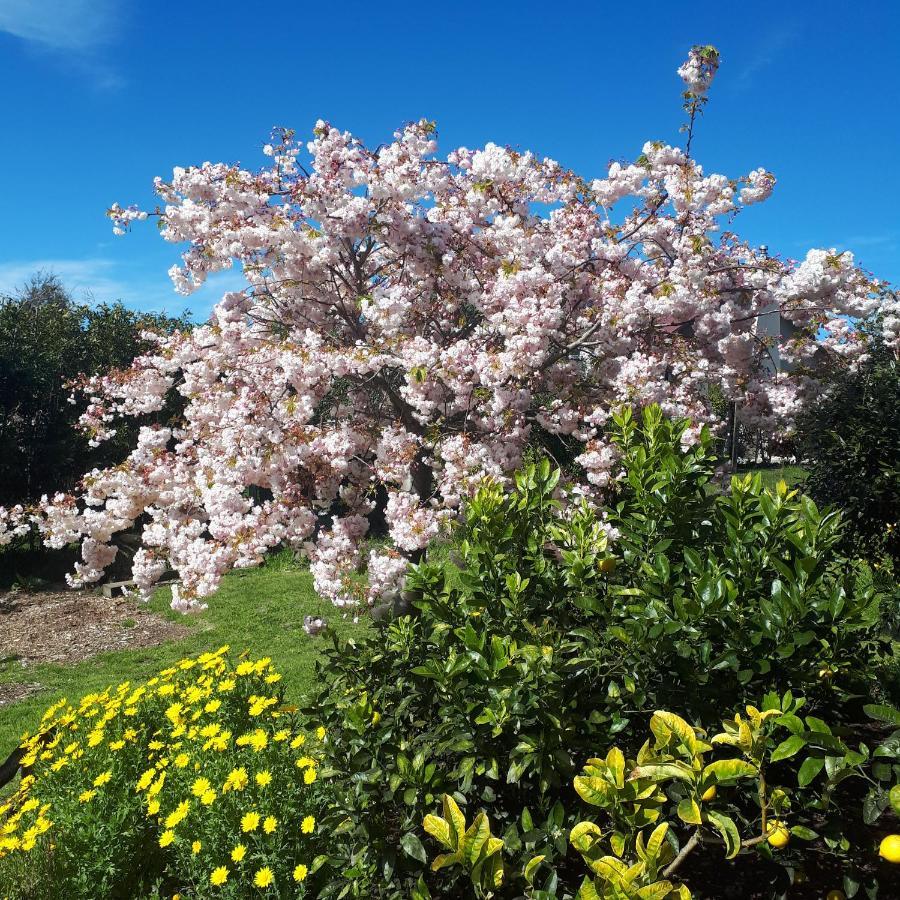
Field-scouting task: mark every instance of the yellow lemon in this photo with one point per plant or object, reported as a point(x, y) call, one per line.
point(608, 565)
point(778, 835)
point(835, 895)
point(890, 848)
point(709, 793)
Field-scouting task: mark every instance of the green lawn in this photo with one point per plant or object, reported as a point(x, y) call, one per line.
point(771, 475)
point(260, 610)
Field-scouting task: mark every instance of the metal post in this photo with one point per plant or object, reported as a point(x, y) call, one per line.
point(734, 437)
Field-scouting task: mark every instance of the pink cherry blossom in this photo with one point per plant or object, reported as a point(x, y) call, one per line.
point(412, 324)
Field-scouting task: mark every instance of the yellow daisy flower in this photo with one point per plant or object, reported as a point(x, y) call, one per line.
point(250, 821)
point(200, 787)
point(219, 875)
point(239, 853)
point(270, 824)
point(307, 826)
point(300, 873)
point(264, 877)
point(236, 780)
point(178, 814)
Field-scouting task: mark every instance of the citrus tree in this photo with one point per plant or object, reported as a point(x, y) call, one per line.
point(412, 323)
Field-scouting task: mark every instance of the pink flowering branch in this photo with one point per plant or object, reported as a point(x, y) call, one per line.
point(411, 324)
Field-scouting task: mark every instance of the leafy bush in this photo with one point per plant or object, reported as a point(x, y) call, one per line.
point(850, 444)
point(537, 639)
point(199, 780)
point(768, 796)
point(783, 775)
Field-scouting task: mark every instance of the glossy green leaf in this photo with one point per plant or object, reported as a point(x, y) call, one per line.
point(811, 767)
point(412, 847)
point(787, 748)
point(726, 827)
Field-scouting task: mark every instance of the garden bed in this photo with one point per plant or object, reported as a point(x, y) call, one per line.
point(71, 626)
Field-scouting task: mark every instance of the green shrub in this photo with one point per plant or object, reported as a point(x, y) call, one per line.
point(198, 781)
point(537, 639)
point(778, 776)
point(850, 445)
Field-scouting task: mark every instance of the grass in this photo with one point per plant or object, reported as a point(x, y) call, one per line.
point(260, 610)
point(771, 475)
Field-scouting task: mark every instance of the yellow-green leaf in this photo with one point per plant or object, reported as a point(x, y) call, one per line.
point(745, 737)
point(664, 771)
point(728, 770)
point(474, 839)
point(446, 859)
point(587, 891)
point(615, 759)
point(726, 827)
point(617, 843)
point(656, 891)
point(531, 867)
point(584, 835)
point(593, 790)
point(438, 828)
point(663, 724)
point(455, 819)
point(656, 840)
point(689, 811)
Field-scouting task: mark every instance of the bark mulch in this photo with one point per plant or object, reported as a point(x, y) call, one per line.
point(70, 626)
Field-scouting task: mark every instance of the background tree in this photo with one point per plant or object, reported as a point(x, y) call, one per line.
point(850, 446)
point(47, 340)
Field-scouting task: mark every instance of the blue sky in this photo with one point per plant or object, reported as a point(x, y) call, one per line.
point(102, 95)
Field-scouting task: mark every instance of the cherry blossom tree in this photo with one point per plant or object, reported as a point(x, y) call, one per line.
point(412, 324)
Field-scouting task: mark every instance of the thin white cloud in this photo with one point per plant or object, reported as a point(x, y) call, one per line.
point(73, 25)
point(85, 278)
point(767, 52)
point(101, 280)
point(884, 239)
